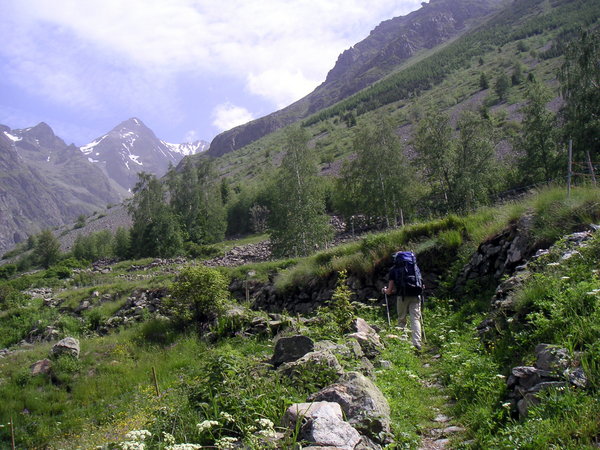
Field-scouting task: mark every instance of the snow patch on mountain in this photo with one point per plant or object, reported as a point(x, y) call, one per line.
point(89, 148)
point(12, 137)
point(187, 148)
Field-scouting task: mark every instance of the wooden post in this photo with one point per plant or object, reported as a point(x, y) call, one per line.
point(12, 433)
point(569, 168)
point(155, 381)
point(591, 168)
point(401, 217)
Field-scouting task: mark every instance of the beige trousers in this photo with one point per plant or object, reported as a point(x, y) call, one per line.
point(412, 306)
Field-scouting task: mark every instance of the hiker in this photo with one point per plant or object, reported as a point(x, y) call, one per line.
point(405, 281)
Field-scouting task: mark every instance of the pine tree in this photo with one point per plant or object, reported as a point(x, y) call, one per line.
point(298, 224)
point(501, 87)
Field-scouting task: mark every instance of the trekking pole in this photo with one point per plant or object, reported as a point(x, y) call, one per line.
point(422, 324)
point(387, 308)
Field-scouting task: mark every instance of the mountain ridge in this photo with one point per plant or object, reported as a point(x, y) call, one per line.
point(47, 183)
point(388, 45)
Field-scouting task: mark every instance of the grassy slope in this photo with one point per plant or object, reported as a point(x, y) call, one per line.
point(110, 390)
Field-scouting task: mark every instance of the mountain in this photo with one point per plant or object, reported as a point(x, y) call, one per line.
point(45, 183)
point(389, 45)
point(132, 147)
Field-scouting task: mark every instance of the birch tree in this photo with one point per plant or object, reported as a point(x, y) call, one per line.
point(298, 224)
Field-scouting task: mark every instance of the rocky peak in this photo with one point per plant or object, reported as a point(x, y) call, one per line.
point(42, 135)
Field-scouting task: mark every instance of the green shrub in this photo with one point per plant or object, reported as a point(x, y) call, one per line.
point(60, 272)
point(341, 307)
point(194, 250)
point(7, 270)
point(198, 294)
point(158, 331)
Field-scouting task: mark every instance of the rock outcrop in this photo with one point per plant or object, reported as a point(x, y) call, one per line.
point(322, 424)
point(554, 369)
point(67, 346)
point(364, 405)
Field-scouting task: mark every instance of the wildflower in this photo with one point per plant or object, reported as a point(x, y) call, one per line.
point(138, 435)
point(500, 376)
point(132, 445)
point(565, 278)
point(265, 423)
point(228, 417)
point(267, 428)
point(206, 425)
point(183, 447)
point(226, 443)
point(168, 438)
point(506, 405)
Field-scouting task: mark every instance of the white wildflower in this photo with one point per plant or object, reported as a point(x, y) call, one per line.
point(506, 405)
point(168, 438)
point(502, 377)
point(267, 426)
point(226, 443)
point(183, 447)
point(265, 423)
point(132, 445)
point(206, 425)
point(228, 417)
point(138, 435)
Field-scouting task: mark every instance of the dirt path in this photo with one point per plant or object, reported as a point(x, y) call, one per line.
point(437, 434)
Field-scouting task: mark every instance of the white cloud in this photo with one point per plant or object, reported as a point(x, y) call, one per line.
point(191, 136)
point(280, 85)
point(282, 49)
point(227, 116)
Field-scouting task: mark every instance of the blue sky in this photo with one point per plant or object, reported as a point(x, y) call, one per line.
point(188, 68)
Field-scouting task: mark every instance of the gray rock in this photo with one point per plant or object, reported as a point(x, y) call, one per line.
point(41, 367)
point(546, 385)
point(66, 346)
point(367, 338)
point(527, 376)
point(551, 357)
point(525, 403)
point(322, 360)
point(289, 349)
point(363, 404)
point(577, 378)
point(322, 424)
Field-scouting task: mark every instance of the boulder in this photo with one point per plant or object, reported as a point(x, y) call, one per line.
point(363, 404)
point(552, 358)
point(321, 361)
point(66, 346)
point(41, 367)
point(367, 338)
point(322, 424)
point(291, 348)
point(577, 377)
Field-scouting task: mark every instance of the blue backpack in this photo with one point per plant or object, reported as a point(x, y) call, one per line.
point(406, 274)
